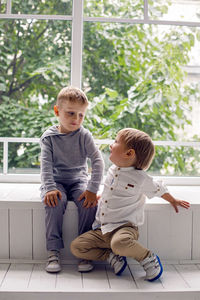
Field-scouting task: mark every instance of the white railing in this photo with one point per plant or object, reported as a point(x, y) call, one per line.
point(9, 177)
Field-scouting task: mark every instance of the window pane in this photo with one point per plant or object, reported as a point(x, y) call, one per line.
point(142, 76)
point(176, 161)
point(114, 8)
point(2, 6)
point(175, 10)
point(168, 161)
point(34, 65)
point(23, 158)
point(50, 7)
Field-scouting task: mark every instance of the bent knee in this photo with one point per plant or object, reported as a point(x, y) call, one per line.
point(118, 245)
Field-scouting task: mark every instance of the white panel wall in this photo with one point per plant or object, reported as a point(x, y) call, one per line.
point(21, 233)
point(196, 235)
point(4, 234)
point(172, 236)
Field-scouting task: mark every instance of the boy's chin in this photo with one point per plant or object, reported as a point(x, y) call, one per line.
point(113, 161)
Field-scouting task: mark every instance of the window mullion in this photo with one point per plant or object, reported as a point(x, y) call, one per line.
point(146, 17)
point(8, 6)
point(77, 37)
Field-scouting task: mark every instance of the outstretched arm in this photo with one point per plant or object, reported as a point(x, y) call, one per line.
point(175, 202)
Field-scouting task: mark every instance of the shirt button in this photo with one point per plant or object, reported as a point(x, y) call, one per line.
point(102, 224)
point(116, 175)
point(118, 169)
point(102, 214)
point(106, 201)
point(126, 188)
point(111, 189)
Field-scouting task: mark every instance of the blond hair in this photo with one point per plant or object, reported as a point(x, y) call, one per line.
point(72, 94)
point(142, 145)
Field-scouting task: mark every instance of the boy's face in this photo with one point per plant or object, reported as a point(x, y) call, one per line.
point(71, 115)
point(118, 153)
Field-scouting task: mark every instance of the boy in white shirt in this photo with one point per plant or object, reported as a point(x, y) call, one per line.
point(121, 207)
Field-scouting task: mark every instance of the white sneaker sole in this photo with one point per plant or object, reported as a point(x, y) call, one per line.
point(53, 270)
point(85, 268)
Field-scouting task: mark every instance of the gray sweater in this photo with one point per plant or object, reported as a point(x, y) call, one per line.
point(64, 158)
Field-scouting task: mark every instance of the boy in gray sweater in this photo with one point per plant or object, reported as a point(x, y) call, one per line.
point(64, 152)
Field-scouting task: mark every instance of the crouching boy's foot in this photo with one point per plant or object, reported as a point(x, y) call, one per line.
point(118, 263)
point(53, 262)
point(85, 266)
point(152, 267)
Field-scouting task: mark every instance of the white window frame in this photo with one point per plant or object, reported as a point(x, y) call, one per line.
point(7, 177)
point(78, 20)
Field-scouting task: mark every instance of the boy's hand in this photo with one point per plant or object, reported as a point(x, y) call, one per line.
point(51, 198)
point(175, 202)
point(90, 199)
point(182, 203)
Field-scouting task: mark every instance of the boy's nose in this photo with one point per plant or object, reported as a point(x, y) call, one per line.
point(75, 116)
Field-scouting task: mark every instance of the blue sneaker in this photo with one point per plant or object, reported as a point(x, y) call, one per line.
point(118, 263)
point(152, 267)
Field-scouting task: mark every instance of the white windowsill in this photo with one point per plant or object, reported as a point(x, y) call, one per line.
point(35, 178)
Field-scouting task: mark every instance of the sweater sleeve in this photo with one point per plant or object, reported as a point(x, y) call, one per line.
point(97, 163)
point(47, 179)
point(153, 188)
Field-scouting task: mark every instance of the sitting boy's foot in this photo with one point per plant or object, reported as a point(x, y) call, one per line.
point(118, 263)
point(152, 266)
point(85, 266)
point(53, 262)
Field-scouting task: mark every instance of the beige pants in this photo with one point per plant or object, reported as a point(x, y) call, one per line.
point(93, 245)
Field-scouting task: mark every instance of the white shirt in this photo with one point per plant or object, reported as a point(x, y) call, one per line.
point(123, 197)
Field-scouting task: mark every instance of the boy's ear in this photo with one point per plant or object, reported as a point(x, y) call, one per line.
point(56, 110)
point(130, 153)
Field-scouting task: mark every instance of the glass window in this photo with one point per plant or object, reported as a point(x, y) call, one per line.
point(176, 161)
point(136, 76)
point(175, 10)
point(34, 65)
point(2, 6)
point(23, 158)
point(114, 8)
point(50, 7)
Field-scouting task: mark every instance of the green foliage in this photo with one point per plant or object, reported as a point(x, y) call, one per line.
point(133, 75)
point(42, 7)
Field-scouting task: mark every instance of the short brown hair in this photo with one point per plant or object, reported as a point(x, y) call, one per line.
point(141, 143)
point(72, 94)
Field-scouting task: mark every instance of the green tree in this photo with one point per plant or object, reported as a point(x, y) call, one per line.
point(133, 75)
point(34, 65)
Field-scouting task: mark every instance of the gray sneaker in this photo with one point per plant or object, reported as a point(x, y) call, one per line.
point(85, 266)
point(118, 263)
point(53, 262)
point(152, 267)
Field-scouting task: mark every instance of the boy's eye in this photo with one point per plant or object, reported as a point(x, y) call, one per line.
point(70, 113)
point(81, 115)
